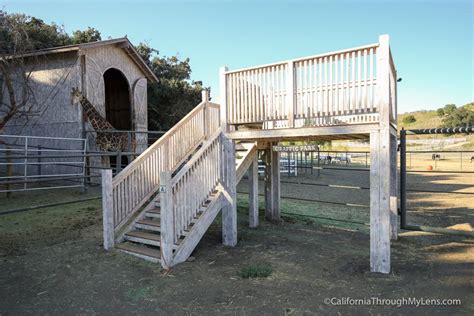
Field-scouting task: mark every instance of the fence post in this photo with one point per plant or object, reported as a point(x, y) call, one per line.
point(167, 224)
point(118, 162)
point(108, 209)
point(290, 93)
point(9, 170)
point(25, 170)
point(38, 168)
point(129, 146)
point(223, 97)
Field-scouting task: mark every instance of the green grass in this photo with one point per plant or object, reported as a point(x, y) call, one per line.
point(257, 270)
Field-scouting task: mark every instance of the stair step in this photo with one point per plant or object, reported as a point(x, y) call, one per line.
point(154, 213)
point(143, 238)
point(143, 252)
point(146, 238)
point(148, 224)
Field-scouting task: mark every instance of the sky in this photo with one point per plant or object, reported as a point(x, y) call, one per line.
point(431, 41)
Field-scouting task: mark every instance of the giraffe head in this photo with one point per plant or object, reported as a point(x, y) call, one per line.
point(76, 96)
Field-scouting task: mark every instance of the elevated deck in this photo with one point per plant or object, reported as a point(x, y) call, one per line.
point(339, 95)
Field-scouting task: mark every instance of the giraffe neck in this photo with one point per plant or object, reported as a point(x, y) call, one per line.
point(96, 120)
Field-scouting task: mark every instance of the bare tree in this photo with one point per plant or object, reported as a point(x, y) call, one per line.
point(16, 94)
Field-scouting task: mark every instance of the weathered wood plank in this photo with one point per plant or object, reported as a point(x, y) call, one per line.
point(229, 211)
point(379, 202)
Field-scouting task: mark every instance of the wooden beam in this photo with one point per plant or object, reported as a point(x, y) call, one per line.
point(229, 211)
point(286, 133)
point(107, 210)
point(379, 202)
point(253, 193)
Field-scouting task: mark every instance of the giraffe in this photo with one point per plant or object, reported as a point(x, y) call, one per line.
point(105, 141)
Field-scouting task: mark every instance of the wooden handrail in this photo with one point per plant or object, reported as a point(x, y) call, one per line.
point(195, 157)
point(159, 142)
point(342, 51)
point(139, 181)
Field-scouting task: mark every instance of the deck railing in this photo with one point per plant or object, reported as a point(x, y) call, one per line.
point(335, 88)
point(139, 181)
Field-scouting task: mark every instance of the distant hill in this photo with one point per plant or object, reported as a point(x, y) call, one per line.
point(430, 119)
point(425, 119)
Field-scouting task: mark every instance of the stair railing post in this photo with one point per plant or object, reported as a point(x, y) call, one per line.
point(223, 98)
point(206, 122)
point(290, 93)
point(107, 209)
point(167, 222)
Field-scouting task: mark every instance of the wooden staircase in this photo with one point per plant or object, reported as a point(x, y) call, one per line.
point(159, 207)
point(143, 236)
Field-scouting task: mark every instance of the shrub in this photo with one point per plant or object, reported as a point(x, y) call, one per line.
point(409, 119)
point(258, 270)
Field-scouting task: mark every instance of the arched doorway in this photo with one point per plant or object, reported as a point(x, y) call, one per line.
point(117, 100)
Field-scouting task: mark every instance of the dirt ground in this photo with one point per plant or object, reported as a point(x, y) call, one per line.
point(52, 261)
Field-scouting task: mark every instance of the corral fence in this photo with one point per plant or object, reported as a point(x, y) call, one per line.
point(26, 162)
point(30, 163)
point(302, 162)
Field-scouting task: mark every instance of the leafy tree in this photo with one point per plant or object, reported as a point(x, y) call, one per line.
point(409, 119)
point(449, 109)
point(459, 117)
point(168, 101)
point(440, 112)
point(452, 116)
point(86, 36)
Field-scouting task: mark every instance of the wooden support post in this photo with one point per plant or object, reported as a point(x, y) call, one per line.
point(380, 169)
point(107, 210)
point(267, 159)
point(166, 216)
point(223, 98)
point(290, 93)
point(276, 185)
point(229, 212)
point(379, 202)
point(393, 188)
point(272, 184)
point(253, 193)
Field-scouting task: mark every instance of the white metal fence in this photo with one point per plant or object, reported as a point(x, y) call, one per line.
point(34, 163)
